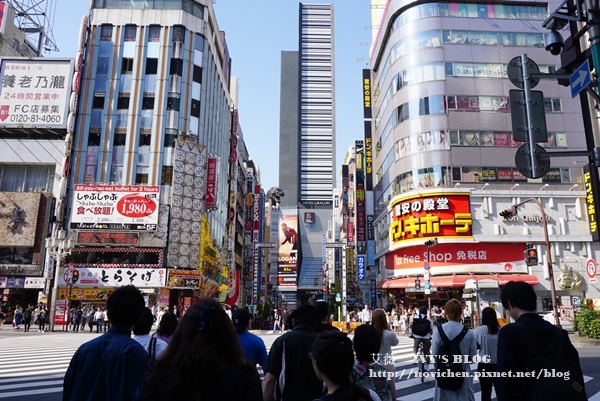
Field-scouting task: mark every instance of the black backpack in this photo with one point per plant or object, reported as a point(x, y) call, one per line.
point(552, 388)
point(449, 374)
point(421, 326)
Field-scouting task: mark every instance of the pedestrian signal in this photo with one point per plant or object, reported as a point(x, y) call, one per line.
point(531, 257)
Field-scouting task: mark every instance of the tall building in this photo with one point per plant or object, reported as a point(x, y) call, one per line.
point(443, 157)
point(307, 148)
point(152, 150)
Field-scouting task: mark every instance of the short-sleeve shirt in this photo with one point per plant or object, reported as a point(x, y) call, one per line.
point(253, 347)
point(289, 362)
point(488, 343)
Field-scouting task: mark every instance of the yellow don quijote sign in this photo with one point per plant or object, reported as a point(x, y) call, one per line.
point(438, 214)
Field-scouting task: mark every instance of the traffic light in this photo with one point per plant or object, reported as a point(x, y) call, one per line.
point(75, 275)
point(417, 284)
point(531, 257)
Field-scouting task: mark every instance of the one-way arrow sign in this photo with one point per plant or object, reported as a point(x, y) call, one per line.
point(580, 78)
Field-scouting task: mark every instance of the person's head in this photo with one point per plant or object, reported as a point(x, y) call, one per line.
point(518, 297)
point(240, 319)
point(333, 359)
point(489, 319)
point(144, 326)
point(322, 310)
point(366, 306)
point(453, 310)
point(167, 325)
point(304, 314)
point(366, 343)
point(379, 322)
point(423, 310)
point(203, 343)
point(125, 306)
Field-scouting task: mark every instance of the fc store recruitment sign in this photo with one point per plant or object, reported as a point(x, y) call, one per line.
point(35, 93)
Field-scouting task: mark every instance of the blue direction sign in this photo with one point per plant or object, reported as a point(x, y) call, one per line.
point(580, 79)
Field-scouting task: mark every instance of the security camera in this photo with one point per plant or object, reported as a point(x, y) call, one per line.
point(554, 42)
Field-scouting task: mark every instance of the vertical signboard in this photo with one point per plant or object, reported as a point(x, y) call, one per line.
point(590, 199)
point(366, 84)
point(361, 268)
point(211, 183)
point(368, 156)
point(287, 253)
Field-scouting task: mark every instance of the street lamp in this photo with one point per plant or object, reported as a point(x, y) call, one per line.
point(430, 243)
point(342, 246)
point(512, 212)
point(58, 246)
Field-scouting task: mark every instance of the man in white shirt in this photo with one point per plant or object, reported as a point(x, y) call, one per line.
point(141, 333)
point(366, 315)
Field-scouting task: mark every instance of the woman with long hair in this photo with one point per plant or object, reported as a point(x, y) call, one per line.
point(166, 327)
point(486, 336)
point(366, 348)
point(332, 359)
point(204, 361)
point(387, 339)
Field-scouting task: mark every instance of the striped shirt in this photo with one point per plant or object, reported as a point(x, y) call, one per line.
point(488, 343)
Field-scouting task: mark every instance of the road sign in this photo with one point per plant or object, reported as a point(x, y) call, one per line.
point(591, 268)
point(427, 287)
point(580, 78)
point(426, 265)
point(518, 114)
point(515, 75)
point(523, 162)
point(338, 297)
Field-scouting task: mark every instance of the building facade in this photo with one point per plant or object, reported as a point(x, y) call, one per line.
point(440, 118)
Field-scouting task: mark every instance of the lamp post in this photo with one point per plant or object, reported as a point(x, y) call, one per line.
point(342, 246)
point(429, 244)
point(509, 213)
point(58, 246)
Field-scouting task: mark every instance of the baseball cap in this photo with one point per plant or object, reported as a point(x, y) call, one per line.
point(240, 319)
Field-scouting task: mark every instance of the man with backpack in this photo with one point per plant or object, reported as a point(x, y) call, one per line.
point(422, 328)
point(532, 344)
point(454, 348)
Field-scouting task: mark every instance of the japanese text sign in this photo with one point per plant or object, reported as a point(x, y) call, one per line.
point(211, 183)
point(35, 92)
point(115, 207)
point(116, 277)
point(438, 214)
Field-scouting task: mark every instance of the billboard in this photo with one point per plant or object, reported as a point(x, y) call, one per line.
point(287, 255)
point(35, 93)
point(418, 217)
point(115, 207)
point(116, 277)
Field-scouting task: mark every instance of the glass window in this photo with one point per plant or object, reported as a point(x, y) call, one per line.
point(96, 118)
point(150, 84)
point(154, 33)
point(100, 85)
point(123, 102)
point(151, 66)
point(167, 175)
point(13, 178)
point(130, 33)
point(127, 65)
point(119, 139)
point(178, 34)
point(145, 138)
point(94, 139)
point(102, 65)
point(170, 137)
point(106, 32)
point(98, 102)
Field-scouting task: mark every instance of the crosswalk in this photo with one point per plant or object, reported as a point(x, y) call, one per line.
point(33, 366)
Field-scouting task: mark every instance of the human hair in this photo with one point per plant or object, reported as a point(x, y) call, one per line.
point(520, 294)
point(423, 310)
point(125, 306)
point(379, 322)
point(489, 319)
point(203, 344)
point(167, 325)
point(453, 309)
point(145, 324)
point(304, 318)
point(322, 309)
point(333, 355)
point(366, 343)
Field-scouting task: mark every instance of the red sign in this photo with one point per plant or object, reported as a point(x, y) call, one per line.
point(422, 216)
point(592, 269)
point(211, 183)
point(135, 206)
point(91, 237)
point(470, 257)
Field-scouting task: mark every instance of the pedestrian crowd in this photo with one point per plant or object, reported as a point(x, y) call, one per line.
point(207, 353)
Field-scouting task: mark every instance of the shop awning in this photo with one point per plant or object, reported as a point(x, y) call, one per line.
point(458, 280)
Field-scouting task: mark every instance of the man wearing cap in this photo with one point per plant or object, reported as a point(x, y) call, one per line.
point(322, 309)
point(253, 346)
point(288, 371)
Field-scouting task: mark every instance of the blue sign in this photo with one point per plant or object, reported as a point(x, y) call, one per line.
point(370, 253)
point(360, 267)
point(373, 294)
point(580, 78)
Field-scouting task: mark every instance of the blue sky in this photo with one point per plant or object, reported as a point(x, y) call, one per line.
point(256, 33)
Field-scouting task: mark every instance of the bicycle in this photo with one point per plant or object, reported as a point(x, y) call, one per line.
point(421, 361)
